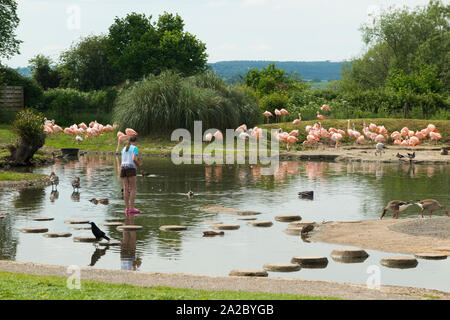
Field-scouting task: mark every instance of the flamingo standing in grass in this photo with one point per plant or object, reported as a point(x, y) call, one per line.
point(130, 132)
point(277, 114)
point(297, 121)
point(320, 117)
point(268, 115)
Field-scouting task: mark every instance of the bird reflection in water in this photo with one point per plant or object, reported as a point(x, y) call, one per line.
point(98, 253)
point(54, 195)
point(75, 196)
point(128, 259)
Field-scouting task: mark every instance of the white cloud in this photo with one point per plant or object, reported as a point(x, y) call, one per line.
point(218, 4)
point(248, 3)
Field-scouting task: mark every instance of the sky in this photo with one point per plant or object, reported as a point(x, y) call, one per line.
point(275, 30)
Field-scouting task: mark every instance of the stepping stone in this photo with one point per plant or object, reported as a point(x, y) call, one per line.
point(294, 231)
point(288, 218)
point(281, 267)
point(400, 262)
point(310, 262)
point(172, 228)
point(129, 228)
point(225, 226)
point(431, 256)
point(58, 235)
point(115, 219)
point(34, 230)
point(85, 239)
point(300, 224)
point(260, 223)
point(110, 243)
point(248, 273)
point(80, 228)
point(246, 218)
point(43, 219)
point(111, 224)
point(349, 255)
point(76, 221)
point(219, 209)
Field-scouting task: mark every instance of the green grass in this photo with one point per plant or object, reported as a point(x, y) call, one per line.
point(19, 176)
point(161, 144)
point(30, 287)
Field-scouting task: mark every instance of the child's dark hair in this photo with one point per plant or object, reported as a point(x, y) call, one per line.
point(132, 139)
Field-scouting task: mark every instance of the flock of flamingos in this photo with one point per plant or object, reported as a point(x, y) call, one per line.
point(315, 133)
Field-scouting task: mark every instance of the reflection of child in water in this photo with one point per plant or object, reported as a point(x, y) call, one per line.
point(128, 250)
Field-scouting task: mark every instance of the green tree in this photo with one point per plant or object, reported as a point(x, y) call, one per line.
point(85, 65)
point(9, 44)
point(43, 73)
point(271, 79)
point(137, 47)
point(403, 39)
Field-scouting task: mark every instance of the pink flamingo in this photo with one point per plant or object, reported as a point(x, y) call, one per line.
point(277, 114)
point(297, 121)
point(325, 107)
point(319, 116)
point(268, 115)
point(218, 135)
point(130, 132)
point(208, 137)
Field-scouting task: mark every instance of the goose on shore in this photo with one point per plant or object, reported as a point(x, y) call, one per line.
point(396, 206)
point(431, 205)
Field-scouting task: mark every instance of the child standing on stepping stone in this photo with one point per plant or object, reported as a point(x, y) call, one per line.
point(128, 167)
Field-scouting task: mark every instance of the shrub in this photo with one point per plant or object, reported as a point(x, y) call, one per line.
point(68, 106)
point(169, 101)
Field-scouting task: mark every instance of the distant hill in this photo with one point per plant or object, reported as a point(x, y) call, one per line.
point(316, 71)
point(25, 71)
point(310, 71)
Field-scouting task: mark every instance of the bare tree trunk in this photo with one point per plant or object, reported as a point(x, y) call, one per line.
point(22, 152)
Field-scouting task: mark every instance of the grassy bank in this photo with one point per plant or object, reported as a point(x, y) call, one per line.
point(30, 287)
point(161, 144)
point(19, 176)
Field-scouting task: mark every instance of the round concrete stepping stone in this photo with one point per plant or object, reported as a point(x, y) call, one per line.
point(444, 248)
point(248, 273)
point(110, 243)
point(247, 218)
point(115, 219)
point(294, 231)
point(225, 226)
point(111, 224)
point(129, 228)
point(34, 230)
point(85, 239)
point(400, 262)
point(349, 255)
point(76, 221)
point(80, 228)
point(300, 224)
point(310, 262)
point(431, 256)
point(172, 228)
point(288, 218)
point(261, 223)
point(212, 222)
point(43, 219)
point(281, 267)
point(58, 235)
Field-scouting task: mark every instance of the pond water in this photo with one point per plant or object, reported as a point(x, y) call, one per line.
point(353, 191)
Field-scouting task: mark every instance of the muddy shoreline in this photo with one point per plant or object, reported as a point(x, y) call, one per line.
point(408, 235)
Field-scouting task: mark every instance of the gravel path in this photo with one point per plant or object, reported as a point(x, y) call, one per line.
point(189, 281)
point(435, 227)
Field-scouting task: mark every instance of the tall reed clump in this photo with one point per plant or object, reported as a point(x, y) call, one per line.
point(169, 101)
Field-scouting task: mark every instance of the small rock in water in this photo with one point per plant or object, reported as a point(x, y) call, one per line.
point(212, 233)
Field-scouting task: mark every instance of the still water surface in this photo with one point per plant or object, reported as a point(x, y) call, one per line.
point(342, 192)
